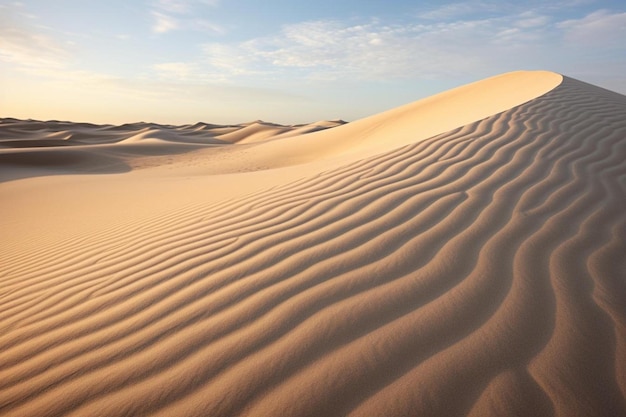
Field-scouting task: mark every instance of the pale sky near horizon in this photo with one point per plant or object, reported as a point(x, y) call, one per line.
point(230, 61)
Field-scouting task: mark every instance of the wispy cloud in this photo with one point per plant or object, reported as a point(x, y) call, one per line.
point(373, 50)
point(174, 6)
point(176, 70)
point(164, 23)
point(170, 15)
point(229, 60)
point(471, 8)
point(457, 10)
point(183, 6)
point(24, 45)
point(599, 28)
point(378, 50)
point(532, 19)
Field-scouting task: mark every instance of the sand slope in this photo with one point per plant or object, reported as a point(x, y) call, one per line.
point(480, 271)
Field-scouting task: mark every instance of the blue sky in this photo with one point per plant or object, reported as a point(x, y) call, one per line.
point(230, 61)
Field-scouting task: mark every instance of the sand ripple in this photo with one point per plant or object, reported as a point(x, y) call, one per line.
point(478, 272)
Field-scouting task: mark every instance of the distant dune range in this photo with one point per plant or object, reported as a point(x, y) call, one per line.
point(461, 255)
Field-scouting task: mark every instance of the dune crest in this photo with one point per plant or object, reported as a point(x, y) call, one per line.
point(478, 271)
point(416, 121)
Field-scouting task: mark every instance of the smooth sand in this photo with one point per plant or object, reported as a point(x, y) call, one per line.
point(461, 255)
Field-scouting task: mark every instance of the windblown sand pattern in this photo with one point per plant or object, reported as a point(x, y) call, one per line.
point(478, 272)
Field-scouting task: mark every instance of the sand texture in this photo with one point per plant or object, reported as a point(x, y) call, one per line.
point(464, 255)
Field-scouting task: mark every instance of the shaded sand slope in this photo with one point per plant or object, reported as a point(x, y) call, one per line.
point(477, 272)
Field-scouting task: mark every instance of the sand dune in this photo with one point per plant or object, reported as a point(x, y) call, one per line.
point(472, 265)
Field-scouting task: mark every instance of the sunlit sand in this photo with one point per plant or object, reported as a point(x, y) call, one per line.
point(461, 255)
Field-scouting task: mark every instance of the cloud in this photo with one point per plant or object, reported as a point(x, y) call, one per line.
point(532, 19)
point(598, 28)
point(175, 70)
point(24, 45)
point(229, 60)
point(204, 25)
point(174, 6)
point(472, 8)
point(456, 10)
point(377, 50)
point(170, 15)
point(164, 23)
point(374, 50)
point(183, 6)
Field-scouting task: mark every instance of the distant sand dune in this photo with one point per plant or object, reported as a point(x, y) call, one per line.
point(481, 271)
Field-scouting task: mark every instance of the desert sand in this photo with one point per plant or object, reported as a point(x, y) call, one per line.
point(461, 255)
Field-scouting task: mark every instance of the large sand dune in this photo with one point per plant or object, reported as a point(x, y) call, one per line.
point(461, 255)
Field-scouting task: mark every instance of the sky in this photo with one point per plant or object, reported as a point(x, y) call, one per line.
point(285, 61)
